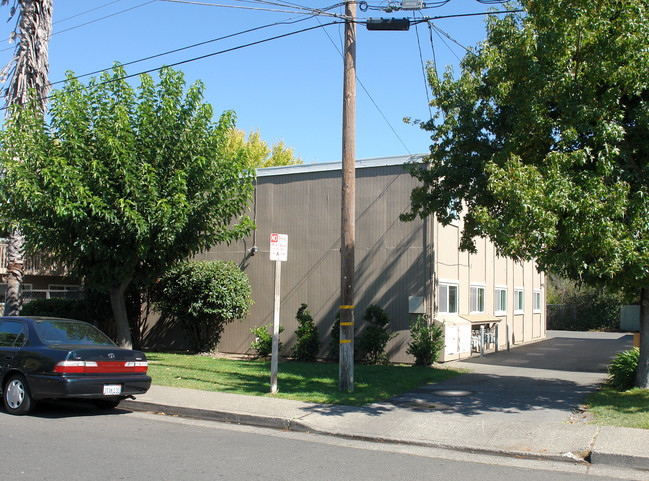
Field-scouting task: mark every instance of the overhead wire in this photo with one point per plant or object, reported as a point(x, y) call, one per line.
point(92, 21)
point(369, 95)
point(202, 57)
point(242, 7)
point(423, 68)
point(87, 11)
point(187, 47)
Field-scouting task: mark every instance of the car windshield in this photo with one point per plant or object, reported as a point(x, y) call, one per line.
point(70, 332)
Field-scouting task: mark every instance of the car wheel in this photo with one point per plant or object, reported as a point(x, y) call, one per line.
point(107, 404)
point(17, 398)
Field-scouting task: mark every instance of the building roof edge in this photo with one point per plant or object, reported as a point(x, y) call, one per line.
point(333, 166)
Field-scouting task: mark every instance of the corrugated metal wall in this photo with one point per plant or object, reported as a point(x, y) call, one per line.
point(390, 254)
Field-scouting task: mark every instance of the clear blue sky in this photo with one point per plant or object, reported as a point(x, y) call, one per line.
point(289, 88)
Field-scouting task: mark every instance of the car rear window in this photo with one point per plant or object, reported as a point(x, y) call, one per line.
point(70, 332)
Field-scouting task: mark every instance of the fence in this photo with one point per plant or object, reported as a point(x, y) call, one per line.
point(600, 315)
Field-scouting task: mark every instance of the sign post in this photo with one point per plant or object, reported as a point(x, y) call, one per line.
point(279, 254)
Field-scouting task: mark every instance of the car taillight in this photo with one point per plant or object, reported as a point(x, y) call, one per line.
point(74, 366)
point(138, 366)
point(100, 367)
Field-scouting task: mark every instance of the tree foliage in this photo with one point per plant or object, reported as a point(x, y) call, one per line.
point(542, 139)
point(258, 152)
point(427, 341)
point(307, 336)
point(119, 184)
point(262, 344)
point(203, 296)
point(375, 336)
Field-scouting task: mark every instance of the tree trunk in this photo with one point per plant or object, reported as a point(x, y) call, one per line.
point(642, 374)
point(15, 263)
point(118, 304)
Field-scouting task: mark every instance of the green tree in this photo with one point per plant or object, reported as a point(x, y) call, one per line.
point(259, 153)
point(26, 74)
point(542, 139)
point(119, 184)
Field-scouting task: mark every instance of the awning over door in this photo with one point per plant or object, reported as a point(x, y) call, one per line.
point(481, 318)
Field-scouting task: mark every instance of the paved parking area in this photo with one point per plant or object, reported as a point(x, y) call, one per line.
point(543, 381)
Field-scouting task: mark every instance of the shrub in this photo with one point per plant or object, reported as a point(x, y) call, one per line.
point(203, 297)
point(621, 372)
point(334, 344)
point(67, 308)
point(427, 341)
point(307, 345)
point(376, 335)
point(263, 342)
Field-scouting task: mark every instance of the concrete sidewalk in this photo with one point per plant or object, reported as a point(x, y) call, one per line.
point(504, 406)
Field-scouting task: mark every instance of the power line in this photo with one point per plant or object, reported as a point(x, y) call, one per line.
point(423, 70)
point(87, 11)
point(199, 44)
point(369, 95)
point(242, 7)
point(202, 57)
point(92, 21)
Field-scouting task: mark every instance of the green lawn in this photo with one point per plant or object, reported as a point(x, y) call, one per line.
point(613, 408)
point(304, 381)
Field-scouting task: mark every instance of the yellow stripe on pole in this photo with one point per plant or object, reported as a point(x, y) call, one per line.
point(346, 307)
point(346, 323)
point(345, 341)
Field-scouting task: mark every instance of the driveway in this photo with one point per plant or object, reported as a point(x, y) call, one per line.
point(540, 382)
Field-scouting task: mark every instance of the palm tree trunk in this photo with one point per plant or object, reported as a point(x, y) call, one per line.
point(27, 73)
point(15, 259)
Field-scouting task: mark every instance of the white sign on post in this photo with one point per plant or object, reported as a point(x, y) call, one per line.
point(279, 247)
point(279, 254)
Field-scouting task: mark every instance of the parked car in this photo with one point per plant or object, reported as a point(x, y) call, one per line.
point(51, 358)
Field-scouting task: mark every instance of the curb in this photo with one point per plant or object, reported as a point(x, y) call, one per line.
point(619, 460)
point(223, 416)
point(297, 425)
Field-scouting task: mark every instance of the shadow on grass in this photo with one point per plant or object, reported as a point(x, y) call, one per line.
point(311, 382)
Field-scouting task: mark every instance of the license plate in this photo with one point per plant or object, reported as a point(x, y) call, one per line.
point(112, 389)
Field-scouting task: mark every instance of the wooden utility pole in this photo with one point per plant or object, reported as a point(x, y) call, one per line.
point(348, 214)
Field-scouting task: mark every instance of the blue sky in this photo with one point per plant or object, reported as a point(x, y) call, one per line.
point(289, 89)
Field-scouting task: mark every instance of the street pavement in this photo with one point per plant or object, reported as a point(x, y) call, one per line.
point(523, 402)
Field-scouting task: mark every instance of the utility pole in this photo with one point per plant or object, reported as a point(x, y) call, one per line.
point(348, 214)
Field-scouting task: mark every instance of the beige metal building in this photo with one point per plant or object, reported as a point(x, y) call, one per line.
point(408, 269)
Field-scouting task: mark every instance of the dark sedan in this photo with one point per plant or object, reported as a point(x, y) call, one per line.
point(51, 358)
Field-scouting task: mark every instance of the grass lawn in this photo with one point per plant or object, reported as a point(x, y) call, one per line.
point(613, 408)
point(304, 381)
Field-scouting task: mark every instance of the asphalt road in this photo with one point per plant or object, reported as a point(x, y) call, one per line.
point(69, 442)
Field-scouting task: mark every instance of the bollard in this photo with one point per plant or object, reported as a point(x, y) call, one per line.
point(481, 341)
point(496, 339)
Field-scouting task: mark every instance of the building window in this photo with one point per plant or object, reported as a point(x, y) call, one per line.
point(476, 299)
point(537, 301)
point(448, 298)
point(500, 301)
point(518, 301)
